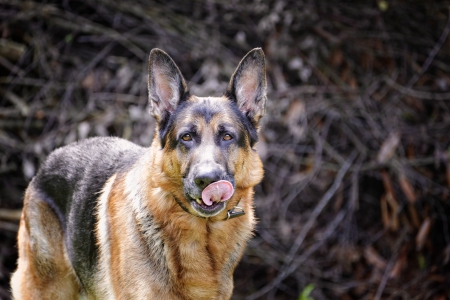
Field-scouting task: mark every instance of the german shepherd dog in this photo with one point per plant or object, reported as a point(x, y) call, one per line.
point(107, 219)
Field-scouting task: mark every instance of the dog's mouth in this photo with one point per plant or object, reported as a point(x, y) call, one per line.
point(213, 199)
point(207, 210)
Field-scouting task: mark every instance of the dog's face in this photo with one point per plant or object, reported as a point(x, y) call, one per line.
point(207, 142)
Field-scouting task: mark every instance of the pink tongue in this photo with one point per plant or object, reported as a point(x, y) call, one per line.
point(217, 191)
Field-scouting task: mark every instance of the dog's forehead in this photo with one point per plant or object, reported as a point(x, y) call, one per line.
point(209, 110)
point(211, 103)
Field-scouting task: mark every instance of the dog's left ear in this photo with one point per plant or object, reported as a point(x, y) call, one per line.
point(166, 85)
point(248, 85)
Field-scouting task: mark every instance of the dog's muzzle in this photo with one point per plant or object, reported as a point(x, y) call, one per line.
point(208, 192)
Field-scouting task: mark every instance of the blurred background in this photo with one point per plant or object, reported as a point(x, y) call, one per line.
point(355, 144)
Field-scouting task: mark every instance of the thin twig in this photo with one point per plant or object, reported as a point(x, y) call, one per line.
point(390, 265)
point(10, 214)
point(417, 94)
point(287, 270)
point(431, 55)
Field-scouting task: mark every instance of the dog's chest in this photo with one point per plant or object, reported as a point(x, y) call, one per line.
point(202, 258)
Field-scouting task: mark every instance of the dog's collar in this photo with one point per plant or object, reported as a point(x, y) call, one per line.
point(235, 212)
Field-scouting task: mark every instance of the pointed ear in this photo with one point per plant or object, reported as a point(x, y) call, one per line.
point(248, 85)
point(166, 86)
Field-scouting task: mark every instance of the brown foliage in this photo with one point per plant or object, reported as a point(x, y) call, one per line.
point(355, 141)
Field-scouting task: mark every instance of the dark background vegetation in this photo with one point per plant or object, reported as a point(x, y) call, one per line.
point(355, 143)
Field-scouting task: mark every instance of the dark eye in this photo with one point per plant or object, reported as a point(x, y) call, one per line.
point(227, 137)
point(187, 137)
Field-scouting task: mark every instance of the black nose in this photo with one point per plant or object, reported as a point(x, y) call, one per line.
point(203, 180)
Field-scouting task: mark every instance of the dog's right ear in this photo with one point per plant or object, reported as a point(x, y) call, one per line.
point(166, 86)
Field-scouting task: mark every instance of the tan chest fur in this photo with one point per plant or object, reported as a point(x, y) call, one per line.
point(178, 254)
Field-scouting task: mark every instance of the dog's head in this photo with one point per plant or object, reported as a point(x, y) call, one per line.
point(207, 142)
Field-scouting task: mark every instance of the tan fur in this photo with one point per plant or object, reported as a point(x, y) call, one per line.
point(44, 271)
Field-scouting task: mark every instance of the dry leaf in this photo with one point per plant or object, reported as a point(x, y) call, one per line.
point(400, 263)
point(390, 199)
point(423, 233)
point(387, 182)
point(413, 215)
point(88, 82)
point(124, 75)
point(395, 223)
point(352, 83)
point(410, 151)
point(11, 50)
point(384, 212)
point(407, 188)
point(296, 120)
point(388, 147)
point(374, 258)
point(278, 76)
point(336, 58)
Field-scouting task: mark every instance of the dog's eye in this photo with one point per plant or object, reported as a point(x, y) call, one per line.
point(187, 137)
point(227, 137)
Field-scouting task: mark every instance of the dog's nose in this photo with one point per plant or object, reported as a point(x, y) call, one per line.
point(203, 180)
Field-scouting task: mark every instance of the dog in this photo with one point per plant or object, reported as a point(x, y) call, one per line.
point(107, 219)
